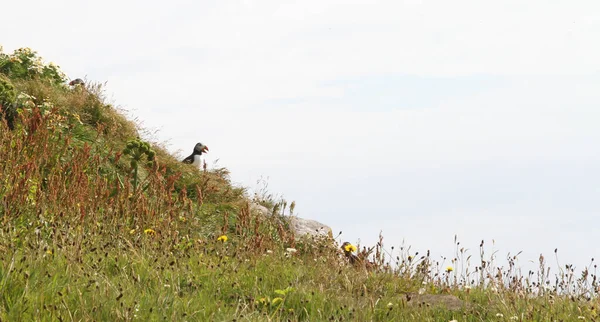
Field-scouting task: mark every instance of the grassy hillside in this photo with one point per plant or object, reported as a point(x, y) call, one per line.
point(99, 225)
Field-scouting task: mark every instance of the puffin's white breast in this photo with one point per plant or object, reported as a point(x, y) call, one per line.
point(197, 161)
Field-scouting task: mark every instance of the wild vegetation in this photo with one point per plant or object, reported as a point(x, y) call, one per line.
point(98, 224)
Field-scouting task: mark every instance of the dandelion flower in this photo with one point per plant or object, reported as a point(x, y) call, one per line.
point(349, 247)
point(222, 238)
point(449, 269)
point(150, 232)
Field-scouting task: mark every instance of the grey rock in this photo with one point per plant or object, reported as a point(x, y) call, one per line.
point(309, 228)
point(300, 226)
point(258, 209)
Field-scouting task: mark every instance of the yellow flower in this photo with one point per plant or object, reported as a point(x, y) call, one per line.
point(222, 238)
point(350, 248)
point(77, 118)
point(449, 269)
point(49, 251)
point(149, 231)
point(131, 232)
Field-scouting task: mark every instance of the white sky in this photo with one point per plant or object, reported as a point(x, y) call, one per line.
point(424, 119)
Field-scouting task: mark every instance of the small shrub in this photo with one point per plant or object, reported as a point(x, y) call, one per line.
point(25, 63)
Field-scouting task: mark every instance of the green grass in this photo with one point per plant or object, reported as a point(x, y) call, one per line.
point(85, 236)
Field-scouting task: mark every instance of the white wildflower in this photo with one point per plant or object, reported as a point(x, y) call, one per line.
point(290, 251)
point(36, 67)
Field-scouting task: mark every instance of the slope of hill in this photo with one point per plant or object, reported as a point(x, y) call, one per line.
point(99, 225)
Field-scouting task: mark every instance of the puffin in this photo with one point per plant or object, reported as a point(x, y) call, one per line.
point(194, 158)
point(361, 259)
point(77, 81)
point(348, 253)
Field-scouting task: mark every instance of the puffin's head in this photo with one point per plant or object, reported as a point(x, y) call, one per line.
point(348, 248)
point(76, 81)
point(200, 148)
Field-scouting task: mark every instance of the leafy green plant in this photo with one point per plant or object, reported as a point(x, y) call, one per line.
point(8, 95)
point(138, 152)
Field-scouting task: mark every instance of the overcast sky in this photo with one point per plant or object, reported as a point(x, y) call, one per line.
point(421, 119)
